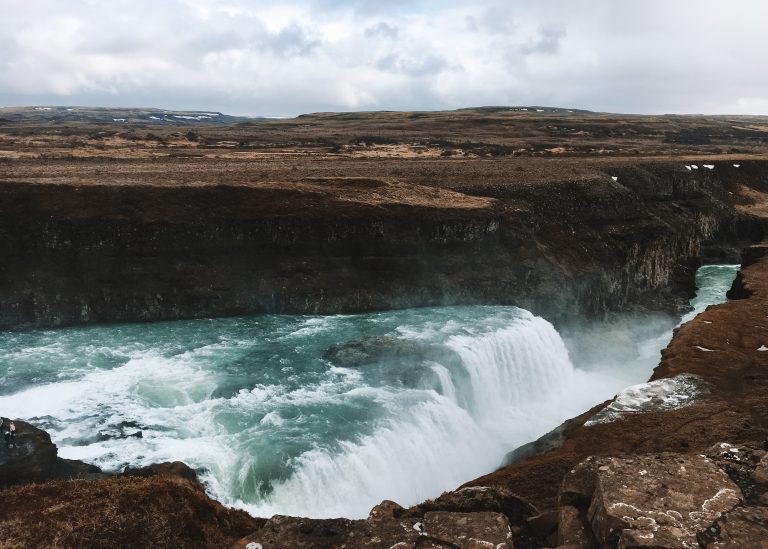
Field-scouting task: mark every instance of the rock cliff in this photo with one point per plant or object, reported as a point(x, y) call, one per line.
point(96, 252)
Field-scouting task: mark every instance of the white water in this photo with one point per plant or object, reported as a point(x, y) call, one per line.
point(273, 428)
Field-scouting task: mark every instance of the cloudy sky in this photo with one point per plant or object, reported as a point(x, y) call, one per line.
point(286, 57)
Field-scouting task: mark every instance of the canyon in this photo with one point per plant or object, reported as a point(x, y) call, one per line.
point(571, 216)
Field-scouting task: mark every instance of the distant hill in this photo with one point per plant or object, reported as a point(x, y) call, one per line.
point(96, 115)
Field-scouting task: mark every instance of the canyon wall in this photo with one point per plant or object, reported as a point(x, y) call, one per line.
point(82, 253)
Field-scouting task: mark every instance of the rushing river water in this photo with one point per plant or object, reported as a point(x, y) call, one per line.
point(274, 428)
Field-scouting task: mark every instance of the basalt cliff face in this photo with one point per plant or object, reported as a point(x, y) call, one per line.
point(566, 213)
point(99, 252)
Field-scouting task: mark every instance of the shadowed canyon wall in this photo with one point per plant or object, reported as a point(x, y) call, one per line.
point(81, 253)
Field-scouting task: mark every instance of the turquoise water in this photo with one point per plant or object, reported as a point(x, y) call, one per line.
point(275, 428)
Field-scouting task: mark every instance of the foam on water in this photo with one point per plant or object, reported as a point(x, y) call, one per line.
point(274, 428)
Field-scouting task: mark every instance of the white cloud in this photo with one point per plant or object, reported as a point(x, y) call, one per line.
point(293, 56)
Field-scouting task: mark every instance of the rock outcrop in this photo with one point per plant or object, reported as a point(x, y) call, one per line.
point(33, 459)
point(436, 529)
point(662, 500)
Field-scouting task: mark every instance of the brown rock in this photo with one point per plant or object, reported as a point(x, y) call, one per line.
point(658, 501)
point(571, 530)
point(760, 474)
point(579, 483)
point(165, 469)
point(436, 529)
point(31, 460)
point(386, 510)
point(742, 528)
point(474, 499)
point(469, 530)
point(543, 524)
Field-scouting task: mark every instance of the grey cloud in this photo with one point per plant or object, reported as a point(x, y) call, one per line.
point(381, 30)
point(548, 41)
point(495, 19)
point(412, 66)
point(291, 41)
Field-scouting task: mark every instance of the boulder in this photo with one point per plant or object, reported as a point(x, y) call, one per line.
point(571, 530)
point(664, 500)
point(543, 524)
point(468, 530)
point(742, 528)
point(68, 469)
point(760, 474)
point(746, 464)
point(475, 499)
point(32, 460)
point(386, 510)
point(165, 469)
point(439, 529)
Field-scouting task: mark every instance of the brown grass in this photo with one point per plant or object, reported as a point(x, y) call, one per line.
point(158, 512)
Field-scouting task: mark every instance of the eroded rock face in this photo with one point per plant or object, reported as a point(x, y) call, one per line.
point(475, 499)
point(665, 500)
point(469, 530)
point(383, 531)
point(746, 527)
point(165, 469)
point(31, 460)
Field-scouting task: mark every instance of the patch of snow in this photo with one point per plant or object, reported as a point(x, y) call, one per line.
point(419, 527)
point(737, 165)
point(187, 117)
point(694, 166)
point(43, 108)
point(709, 166)
point(707, 321)
point(119, 119)
point(614, 178)
point(762, 348)
point(209, 114)
point(687, 167)
point(539, 110)
point(661, 394)
point(523, 109)
point(154, 118)
point(700, 348)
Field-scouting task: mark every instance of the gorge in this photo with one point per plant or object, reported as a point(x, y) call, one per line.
point(335, 313)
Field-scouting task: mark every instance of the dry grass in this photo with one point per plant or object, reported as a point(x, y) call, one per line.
point(158, 512)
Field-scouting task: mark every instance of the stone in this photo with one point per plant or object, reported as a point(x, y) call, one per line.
point(543, 524)
point(473, 499)
point(439, 529)
point(386, 510)
point(165, 469)
point(663, 500)
point(742, 528)
point(32, 460)
point(67, 469)
point(579, 484)
point(571, 529)
point(469, 530)
point(760, 474)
